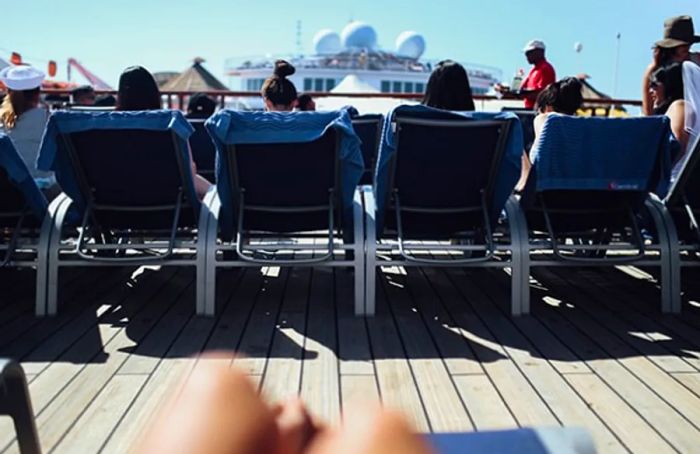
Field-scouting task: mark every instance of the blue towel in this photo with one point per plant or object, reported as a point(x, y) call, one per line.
point(602, 153)
point(228, 127)
point(508, 174)
point(17, 171)
point(56, 159)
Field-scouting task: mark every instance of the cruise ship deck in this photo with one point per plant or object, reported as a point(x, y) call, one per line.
point(596, 351)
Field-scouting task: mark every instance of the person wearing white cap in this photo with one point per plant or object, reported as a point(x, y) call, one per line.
point(541, 74)
point(23, 120)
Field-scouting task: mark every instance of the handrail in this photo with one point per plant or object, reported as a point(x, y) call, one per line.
point(220, 95)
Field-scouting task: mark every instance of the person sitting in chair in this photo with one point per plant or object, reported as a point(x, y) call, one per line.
point(138, 91)
point(448, 88)
point(278, 92)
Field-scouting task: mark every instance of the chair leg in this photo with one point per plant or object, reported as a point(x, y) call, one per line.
point(17, 403)
point(671, 301)
point(359, 253)
point(210, 262)
point(520, 253)
point(53, 258)
point(370, 252)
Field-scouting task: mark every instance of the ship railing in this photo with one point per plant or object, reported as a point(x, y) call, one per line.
point(225, 98)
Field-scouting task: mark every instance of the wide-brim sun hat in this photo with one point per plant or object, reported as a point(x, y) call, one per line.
point(678, 31)
point(22, 77)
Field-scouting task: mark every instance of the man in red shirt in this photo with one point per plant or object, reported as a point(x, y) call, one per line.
point(541, 74)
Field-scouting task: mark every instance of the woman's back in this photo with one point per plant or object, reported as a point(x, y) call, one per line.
point(26, 136)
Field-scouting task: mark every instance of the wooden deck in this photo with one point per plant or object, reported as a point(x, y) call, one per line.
point(595, 352)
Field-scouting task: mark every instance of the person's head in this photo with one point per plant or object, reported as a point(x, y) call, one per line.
point(138, 90)
point(666, 86)
point(83, 95)
point(306, 103)
point(448, 87)
point(200, 106)
point(534, 51)
point(563, 96)
point(679, 34)
point(668, 55)
point(23, 89)
point(278, 92)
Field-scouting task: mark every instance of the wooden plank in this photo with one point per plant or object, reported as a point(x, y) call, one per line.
point(526, 406)
point(320, 385)
point(354, 351)
point(257, 337)
point(92, 429)
point(636, 434)
point(282, 374)
point(397, 387)
point(597, 304)
point(356, 390)
point(61, 393)
point(487, 409)
point(690, 381)
point(582, 337)
point(654, 378)
point(442, 402)
point(570, 409)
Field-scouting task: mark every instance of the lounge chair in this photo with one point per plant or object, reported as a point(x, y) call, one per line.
point(129, 196)
point(547, 440)
point(443, 178)
point(285, 181)
point(203, 150)
point(15, 403)
point(23, 221)
point(681, 213)
point(590, 193)
point(369, 129)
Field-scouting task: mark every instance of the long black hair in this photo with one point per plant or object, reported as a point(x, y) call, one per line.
point(138, 90)
point(279, 90)
point(563, 96)
point(448, 87)
point(671, 76)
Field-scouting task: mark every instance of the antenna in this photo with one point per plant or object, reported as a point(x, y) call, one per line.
point(617, 64)
point(300, 51)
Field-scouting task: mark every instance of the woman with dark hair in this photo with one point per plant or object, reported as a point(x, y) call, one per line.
point(448, 88)
point(306, 103)
point(667, 94)
point(562, 97)
point(138, 91)
point(278, 92)
point(200, 106)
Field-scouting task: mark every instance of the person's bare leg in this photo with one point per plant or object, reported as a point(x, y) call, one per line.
point(370, 430)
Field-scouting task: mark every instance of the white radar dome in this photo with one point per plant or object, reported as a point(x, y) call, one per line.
point(410, 44)
point(326, 41)
point(358, 35)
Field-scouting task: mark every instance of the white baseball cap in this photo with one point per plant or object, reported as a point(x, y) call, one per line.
point(532, 45)
point(22, 77)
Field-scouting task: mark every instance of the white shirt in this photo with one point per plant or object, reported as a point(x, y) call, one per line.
point(26, 136)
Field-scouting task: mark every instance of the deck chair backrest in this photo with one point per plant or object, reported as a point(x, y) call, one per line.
point(286, 186)
point(369, 129)
point(19, 195)
point(527, 120)
point(203, 150)
point(591, 172)
point(120, 170)
point(446, 164)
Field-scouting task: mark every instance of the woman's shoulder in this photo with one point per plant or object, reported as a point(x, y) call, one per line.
point(676, 109)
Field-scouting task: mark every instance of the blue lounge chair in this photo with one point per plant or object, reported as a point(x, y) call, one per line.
point(442, 177)
point(681, 213)
point(548, 440)
point(129, 195)
point(15, 403)
point(588, 193)
point(23, 219)
point(290, 176)
point(203, 150)
point(369, 129)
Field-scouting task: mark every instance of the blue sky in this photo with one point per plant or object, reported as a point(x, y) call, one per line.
point(107, 36)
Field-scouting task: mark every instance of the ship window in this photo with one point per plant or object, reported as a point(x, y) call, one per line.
point(396, 87)
point(386, 86)
point(308, 84)
point(420, 88)
point(330, 84)
point(408, 87)
point(318, 84)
